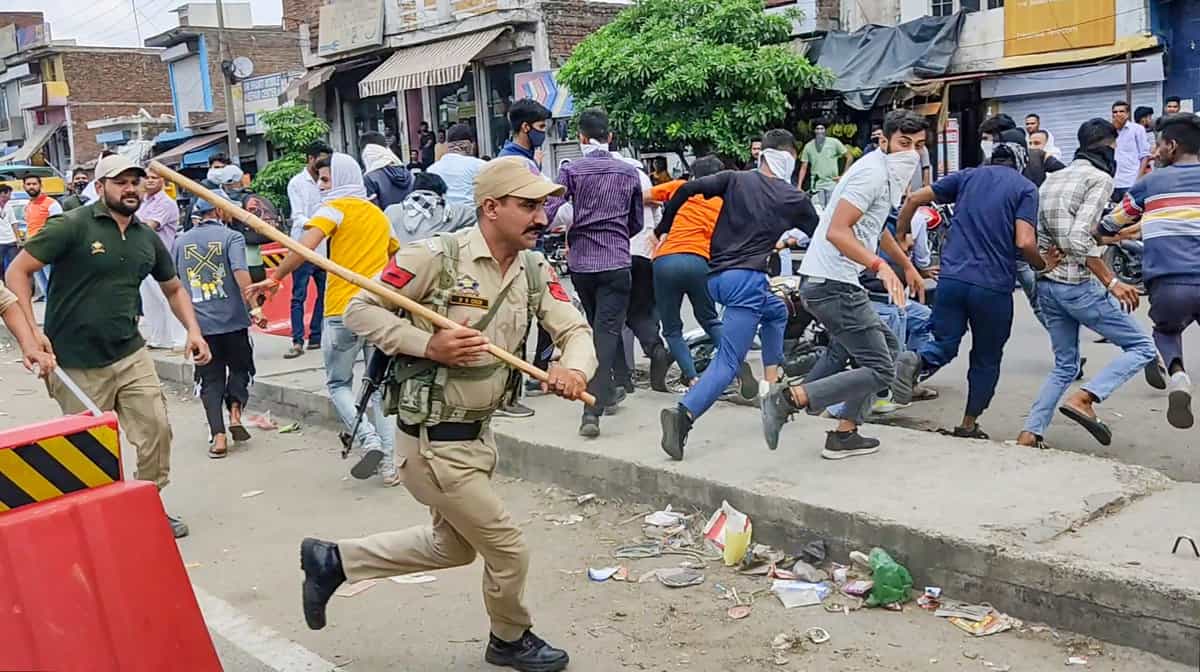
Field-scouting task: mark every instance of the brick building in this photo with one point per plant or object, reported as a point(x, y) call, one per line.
point(438, 61)
point(194, 53)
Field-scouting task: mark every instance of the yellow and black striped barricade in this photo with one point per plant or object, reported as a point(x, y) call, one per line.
point(48, 460)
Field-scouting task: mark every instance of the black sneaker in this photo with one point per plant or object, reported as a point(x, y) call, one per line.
point(528, 654)
point(514, 410)
point(590, 427)
point(322, 565)
point(1156, 375)
point(840, 445)
point(747, 383)
point(908, 369)
point(777, 409)
point(660, 361)
point(676, 423)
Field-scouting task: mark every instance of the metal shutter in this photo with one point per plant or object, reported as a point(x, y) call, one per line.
point(1063, 112)
point(558, 152)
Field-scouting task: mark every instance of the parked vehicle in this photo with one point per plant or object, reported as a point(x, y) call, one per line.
point(13, 174)
point(1125, 259)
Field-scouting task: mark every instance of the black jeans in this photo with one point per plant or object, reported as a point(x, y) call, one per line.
point(605, 299)
point(226, 379)
point(642, 318)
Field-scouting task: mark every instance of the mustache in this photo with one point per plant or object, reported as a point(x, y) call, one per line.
point(535, 228)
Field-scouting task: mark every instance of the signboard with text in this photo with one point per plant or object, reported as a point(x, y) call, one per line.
point(543, 87)
point(1040, 26)
point(347, 25)
point(948, 145)
point(254, 95)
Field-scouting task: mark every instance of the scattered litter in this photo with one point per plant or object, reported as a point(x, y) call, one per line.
point(814, 552)
point(292, 428)
point(639, 551)
point(584, 499)
point(858, 588)
point(193, 565)
point(252, 493)
point(893, 583)
point(817, 635)
point(730, 530)
point(665, 518)
point(739, 611)
point(601, 573)
point(560, 520)
point(631, 518)
point(955, 609)
point(1084, 647)
point(782, 643)
point(800, 571)
point(1077, 660)
point(933, 591)
point(473, 640)
point(841, 573)
point(859, 558)
point(622, 574)
point(997, 668)
point(993, 623)
point(673, 577)
point(570, 572)
point(970, 655)
point(793, 594)
point(931, 599)
point(648, 576)
point(352, 589)
point(413, 578)
point(263, 421)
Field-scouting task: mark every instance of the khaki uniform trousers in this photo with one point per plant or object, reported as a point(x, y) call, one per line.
point(129, 386)
point(454, 480)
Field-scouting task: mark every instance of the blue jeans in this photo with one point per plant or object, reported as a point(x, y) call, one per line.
point(8, 252)
point(677, 275)
point(1028, 279)
point(748, 301)
point(340, 348)
point(989, 314)
point(1067, 307)
point(42, 280)
point(300, 278)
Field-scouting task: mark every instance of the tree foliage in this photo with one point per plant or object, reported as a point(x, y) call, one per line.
point(289, 129)
point(702, 73)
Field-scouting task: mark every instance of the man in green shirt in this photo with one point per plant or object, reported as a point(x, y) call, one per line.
point(820, 156)
point(101, 253)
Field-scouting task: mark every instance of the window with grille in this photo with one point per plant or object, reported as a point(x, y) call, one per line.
point(941, 7)
point(995, 4)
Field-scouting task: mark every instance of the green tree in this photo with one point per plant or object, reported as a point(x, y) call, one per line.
point(701, 73)
point(290, 130)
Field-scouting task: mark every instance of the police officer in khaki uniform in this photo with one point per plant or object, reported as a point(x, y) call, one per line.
point(489, 280)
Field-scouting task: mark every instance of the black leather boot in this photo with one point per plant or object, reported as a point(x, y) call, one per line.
point(322, 565)
point(528, 654)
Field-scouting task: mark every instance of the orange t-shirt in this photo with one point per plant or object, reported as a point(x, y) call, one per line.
point(691, 232)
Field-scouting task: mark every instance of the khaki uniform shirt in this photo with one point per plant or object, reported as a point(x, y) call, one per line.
point(7, 299)
point(414, 273)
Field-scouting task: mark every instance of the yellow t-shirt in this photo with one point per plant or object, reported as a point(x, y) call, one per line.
point(360, 239)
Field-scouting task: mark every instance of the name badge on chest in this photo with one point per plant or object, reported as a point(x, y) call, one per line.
point(466, 293)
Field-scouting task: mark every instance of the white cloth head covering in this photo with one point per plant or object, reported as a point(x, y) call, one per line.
point(345, 179)
point(376, 157)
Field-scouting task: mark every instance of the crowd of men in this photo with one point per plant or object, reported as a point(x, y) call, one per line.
point(454, 232)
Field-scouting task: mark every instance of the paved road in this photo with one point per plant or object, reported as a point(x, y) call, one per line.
point(242, 558)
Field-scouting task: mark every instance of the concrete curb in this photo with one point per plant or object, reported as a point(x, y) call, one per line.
point(1053, 588)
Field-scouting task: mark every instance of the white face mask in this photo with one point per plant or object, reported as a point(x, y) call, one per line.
point(593, 146)
point(987, 146)
point(901, 167)
point(781, 163)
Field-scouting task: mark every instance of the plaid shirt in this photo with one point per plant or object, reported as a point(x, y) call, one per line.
point(1072, 202)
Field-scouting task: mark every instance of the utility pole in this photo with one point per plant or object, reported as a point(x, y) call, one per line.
point(227, 77)
point(136, 25)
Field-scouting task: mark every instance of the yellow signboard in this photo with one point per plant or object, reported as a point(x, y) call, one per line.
point(1039, 26)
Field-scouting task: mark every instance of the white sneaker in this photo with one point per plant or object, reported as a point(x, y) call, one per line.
point(886, 407)
point(1179, 401)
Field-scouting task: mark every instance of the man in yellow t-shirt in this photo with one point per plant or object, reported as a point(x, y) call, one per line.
point(360, 239)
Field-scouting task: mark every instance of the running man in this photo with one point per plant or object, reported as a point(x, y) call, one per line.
point(758, 207)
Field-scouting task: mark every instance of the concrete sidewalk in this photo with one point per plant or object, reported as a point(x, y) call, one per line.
point(1078, 542)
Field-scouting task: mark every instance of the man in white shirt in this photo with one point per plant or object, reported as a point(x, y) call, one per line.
point(8, 233)
point(1033, 124)
point(1133, 151)
point(843, 246)
point(458, 166)
point(641, 318)
point(305, 198)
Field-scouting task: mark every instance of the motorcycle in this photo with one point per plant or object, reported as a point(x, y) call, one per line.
point(1125, 260)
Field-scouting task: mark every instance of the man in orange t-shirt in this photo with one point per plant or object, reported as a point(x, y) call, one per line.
point(681, 266)
point(40, 208)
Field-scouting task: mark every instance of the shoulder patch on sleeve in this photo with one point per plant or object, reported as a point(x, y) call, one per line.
point(396, 276)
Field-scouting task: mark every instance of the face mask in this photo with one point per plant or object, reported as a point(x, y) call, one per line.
point(593, 146)
point(536, 137)
point(780, 162)
point(987, 146)
point(901, 167)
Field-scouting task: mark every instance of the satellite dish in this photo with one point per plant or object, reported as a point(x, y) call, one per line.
point(242, 67)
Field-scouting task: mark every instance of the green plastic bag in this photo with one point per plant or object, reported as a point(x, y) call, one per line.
point(893, 583)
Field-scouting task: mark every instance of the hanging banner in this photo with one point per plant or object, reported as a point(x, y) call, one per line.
point(1040, 26)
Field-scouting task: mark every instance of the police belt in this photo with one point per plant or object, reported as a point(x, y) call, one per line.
point(446, 431)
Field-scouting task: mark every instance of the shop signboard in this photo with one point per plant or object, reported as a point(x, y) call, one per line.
point(349, 25)
point(1040, 26)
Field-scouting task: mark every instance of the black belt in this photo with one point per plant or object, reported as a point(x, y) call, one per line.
point(446, 431)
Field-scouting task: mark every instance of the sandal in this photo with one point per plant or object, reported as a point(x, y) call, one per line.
point(239, 433)
point(1040, 444)
point(217, 454)
point(924, 394)
point(975, 432)
point(1094, 426)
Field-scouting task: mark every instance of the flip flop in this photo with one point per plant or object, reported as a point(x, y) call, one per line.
point(218, 454)
point(964, 433)
point(1094, 426)
point(924, 394)
point(239, 433)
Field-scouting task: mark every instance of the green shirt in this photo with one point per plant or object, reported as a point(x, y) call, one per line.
point(92, 307)
point(823, 164)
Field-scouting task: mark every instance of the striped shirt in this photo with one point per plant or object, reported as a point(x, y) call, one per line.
point(1167, 203)
point(1072, 201)
point(606, 195)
